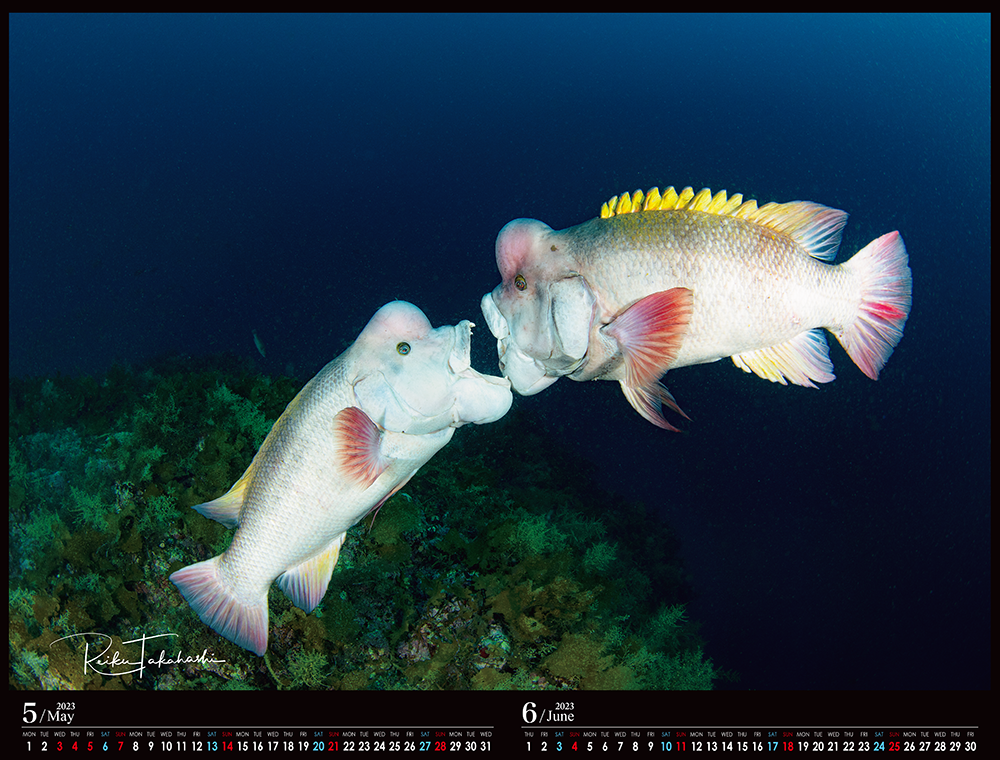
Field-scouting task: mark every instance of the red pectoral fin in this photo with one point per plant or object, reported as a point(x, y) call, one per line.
point(650, 333)
point(360, 446)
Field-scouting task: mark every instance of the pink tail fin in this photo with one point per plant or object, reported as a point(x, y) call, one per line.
point(886, 284)
point(217, 606)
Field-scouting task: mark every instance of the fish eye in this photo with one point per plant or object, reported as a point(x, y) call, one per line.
point(403, 348)
point(520, 283)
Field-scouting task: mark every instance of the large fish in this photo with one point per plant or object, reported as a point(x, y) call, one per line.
point(353, 436)
point(659, 282)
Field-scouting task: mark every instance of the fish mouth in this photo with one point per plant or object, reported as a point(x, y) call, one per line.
point(479, 398)
point(527, 376)
point(495, 319)
point(460, 358)
point(497, 323)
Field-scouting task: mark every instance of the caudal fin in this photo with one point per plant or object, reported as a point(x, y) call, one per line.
point(217, 606)
point(886, 284)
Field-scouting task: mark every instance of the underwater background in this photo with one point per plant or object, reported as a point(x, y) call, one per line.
point(181, 185)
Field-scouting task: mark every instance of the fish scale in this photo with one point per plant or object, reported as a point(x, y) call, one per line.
point(663, 281)
point(635, 254)
point(353, 436)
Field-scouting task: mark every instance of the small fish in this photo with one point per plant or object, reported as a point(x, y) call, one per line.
point(260, 345)
point(352, 437)
point(659, 282)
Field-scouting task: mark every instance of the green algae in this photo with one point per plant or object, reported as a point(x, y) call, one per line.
point(501, 565)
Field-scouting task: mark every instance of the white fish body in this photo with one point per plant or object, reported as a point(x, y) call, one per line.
point(662, 282)
point(355, 434)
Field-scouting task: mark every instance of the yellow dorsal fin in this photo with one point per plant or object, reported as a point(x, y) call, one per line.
point(624, 204)
point(671, 200)
point(815, 227)
point(701, 201)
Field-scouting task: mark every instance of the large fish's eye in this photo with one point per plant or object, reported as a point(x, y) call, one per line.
point(520, 283)
point(403, 348)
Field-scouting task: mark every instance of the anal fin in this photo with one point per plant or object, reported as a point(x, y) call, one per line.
point(803, 360)
point(306, 584)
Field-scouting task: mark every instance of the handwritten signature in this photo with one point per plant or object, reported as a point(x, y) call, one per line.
point(116, 660)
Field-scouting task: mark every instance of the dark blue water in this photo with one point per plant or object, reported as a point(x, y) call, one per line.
point(177, 182)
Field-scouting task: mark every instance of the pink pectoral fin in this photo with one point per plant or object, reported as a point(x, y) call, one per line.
point(360, 446)
point(650, 333)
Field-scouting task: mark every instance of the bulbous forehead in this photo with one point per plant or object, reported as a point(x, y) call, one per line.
point(397, 319)
point(515, 243)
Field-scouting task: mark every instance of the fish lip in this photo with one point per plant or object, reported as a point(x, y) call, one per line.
point(460, 358)
point(511, 359)
point(499, 327)
point(478, 398)
point(527, 376)
point(495, 319)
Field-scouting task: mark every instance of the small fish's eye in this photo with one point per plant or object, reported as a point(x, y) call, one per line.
point(403, 348)
point(520, 283)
